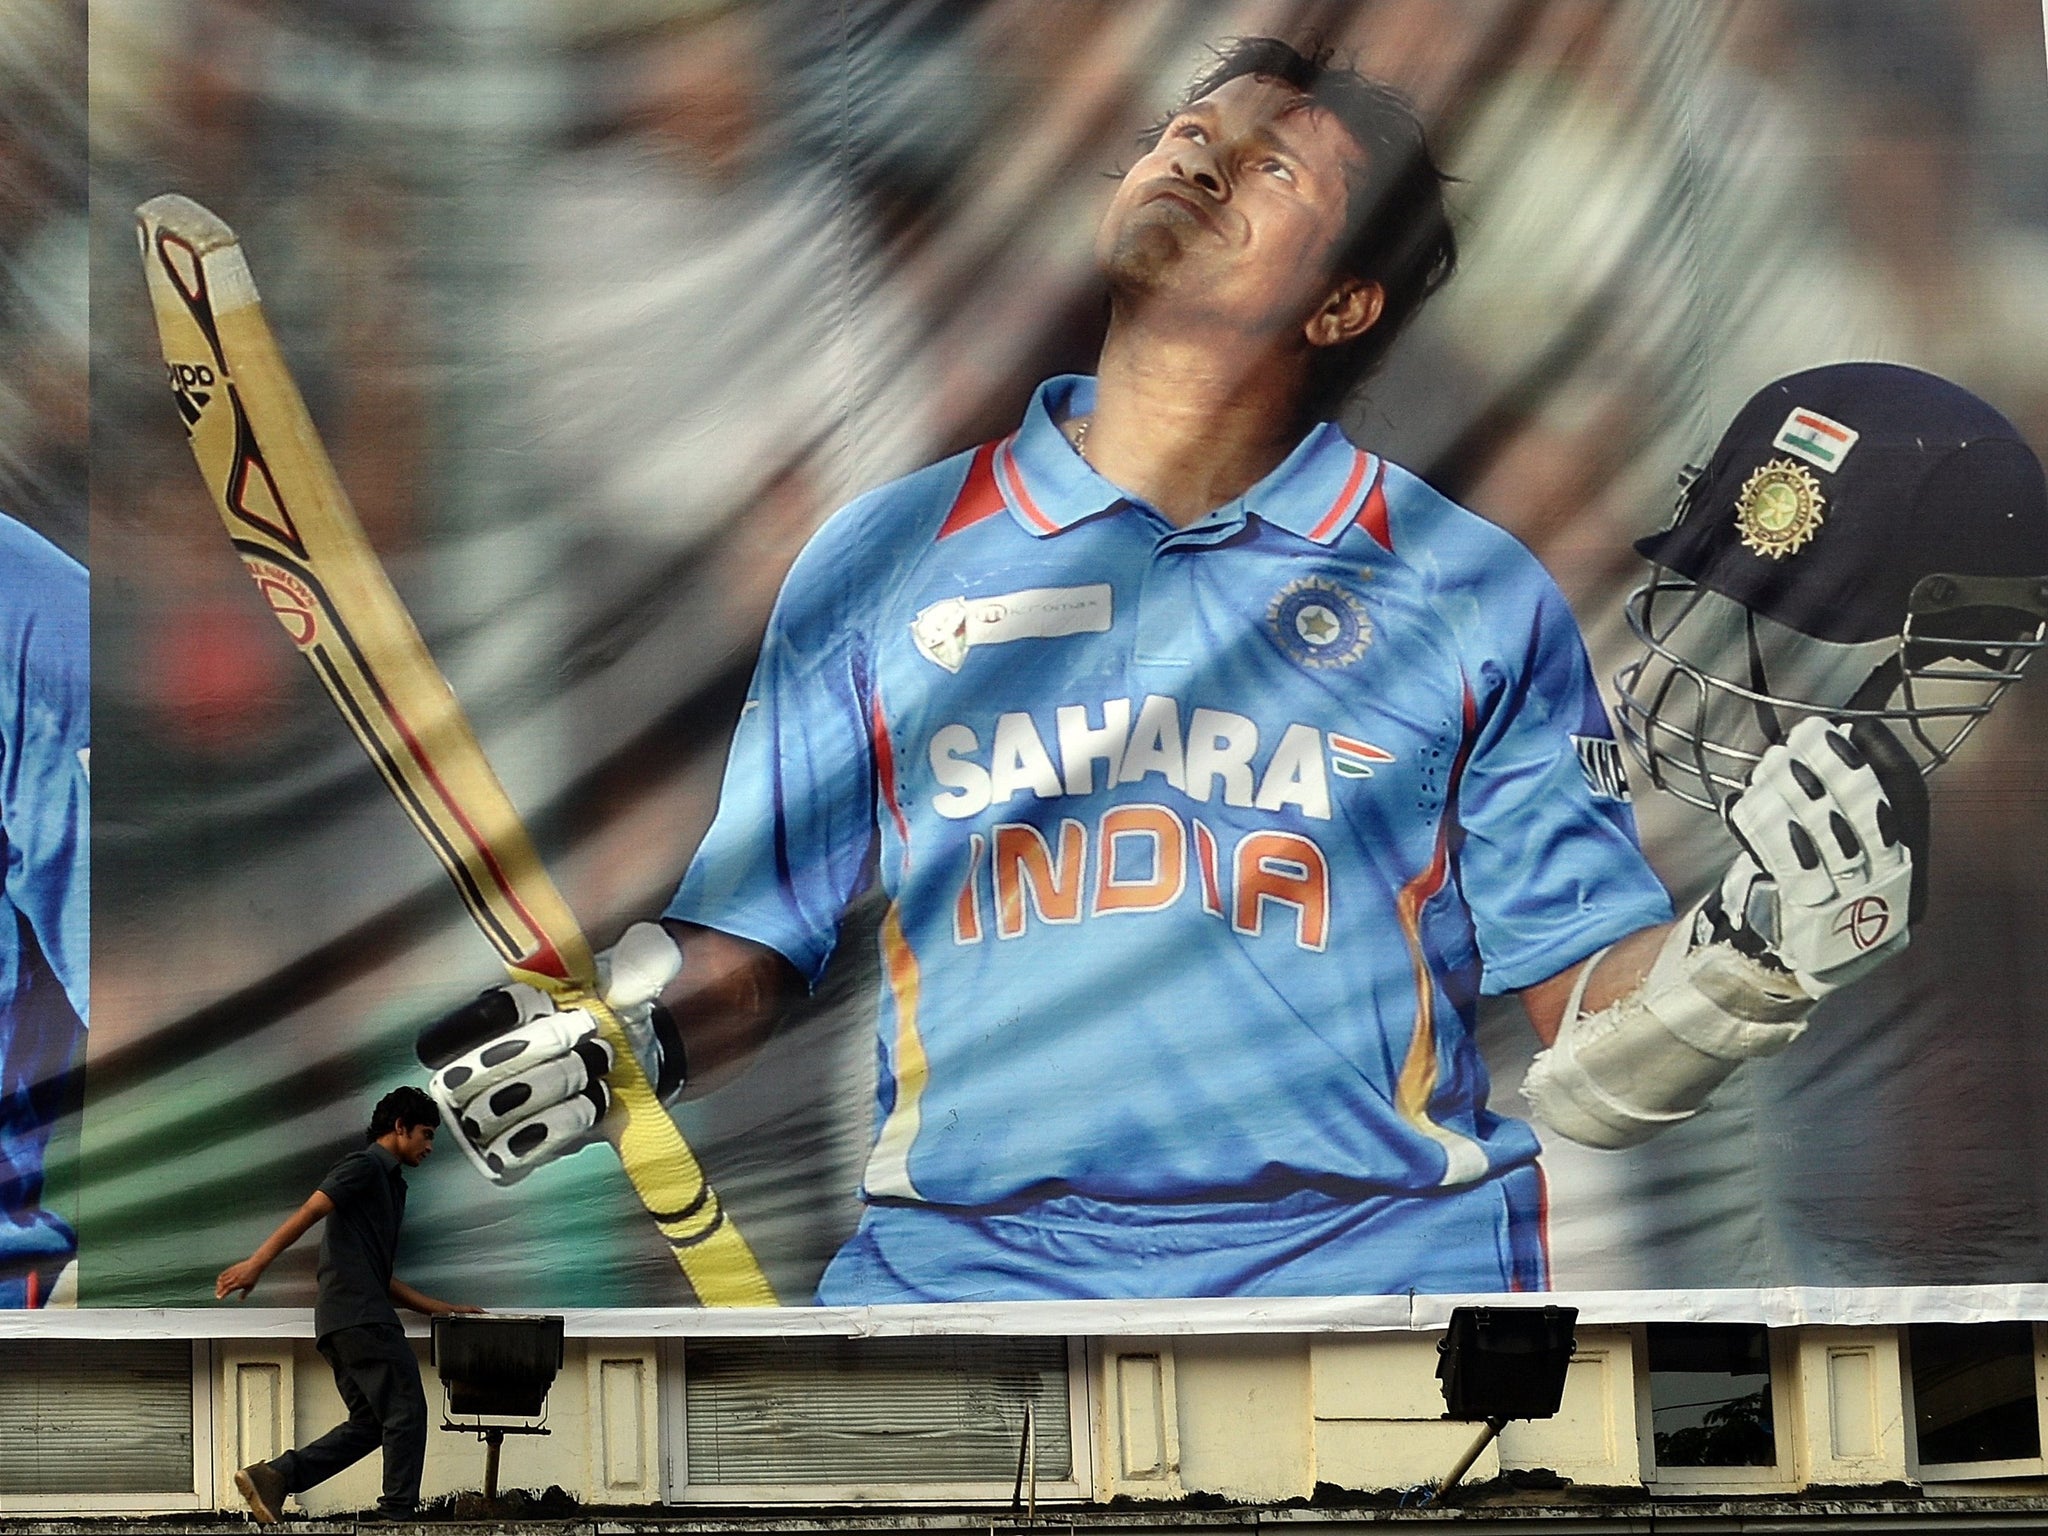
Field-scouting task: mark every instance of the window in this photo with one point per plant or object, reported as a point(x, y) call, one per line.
point(1712, 1407)
point(91, 1424)
point(876, 1418)
point(1979, 1396)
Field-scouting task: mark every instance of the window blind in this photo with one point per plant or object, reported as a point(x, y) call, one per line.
point(866, 1411)
point(87, 1416)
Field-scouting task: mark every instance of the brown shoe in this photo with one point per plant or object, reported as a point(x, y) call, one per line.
point(263, 1486)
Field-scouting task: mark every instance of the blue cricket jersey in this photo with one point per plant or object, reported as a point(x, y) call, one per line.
point(1200, 845)
point(45, 897)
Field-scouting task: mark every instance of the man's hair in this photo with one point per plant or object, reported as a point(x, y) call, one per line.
point(1397, 231)
point(402, 1106)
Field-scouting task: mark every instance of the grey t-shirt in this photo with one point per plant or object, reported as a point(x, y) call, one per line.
point(360, 1242)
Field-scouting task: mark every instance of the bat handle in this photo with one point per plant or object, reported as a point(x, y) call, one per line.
point(461, 1030)
point(716, 1259)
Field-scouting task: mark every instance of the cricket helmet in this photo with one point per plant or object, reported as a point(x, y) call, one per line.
point(1868, 542)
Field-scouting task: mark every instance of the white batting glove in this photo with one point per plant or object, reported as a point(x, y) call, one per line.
point(537, 1090)
point(1825, 878)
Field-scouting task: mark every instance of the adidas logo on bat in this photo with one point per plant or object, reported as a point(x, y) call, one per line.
point(192, 386)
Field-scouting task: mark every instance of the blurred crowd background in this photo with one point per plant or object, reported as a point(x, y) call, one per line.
point(43, 284)
point(603, 307)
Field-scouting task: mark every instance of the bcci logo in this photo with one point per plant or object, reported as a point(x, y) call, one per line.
point(1318, 623)
point(1779, 510)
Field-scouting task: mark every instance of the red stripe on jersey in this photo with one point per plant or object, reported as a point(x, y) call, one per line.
point(885, 771)
point(979, 497)
point(1515, 1282)
point(1372, 517)
point(1335, 518)
point(1012, 480)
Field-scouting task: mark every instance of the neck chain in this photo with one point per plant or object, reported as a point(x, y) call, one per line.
point(1081, 438)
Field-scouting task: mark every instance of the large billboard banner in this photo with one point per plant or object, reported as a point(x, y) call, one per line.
point(1168, 665)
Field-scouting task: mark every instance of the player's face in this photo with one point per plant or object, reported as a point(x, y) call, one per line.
point(1235, 215)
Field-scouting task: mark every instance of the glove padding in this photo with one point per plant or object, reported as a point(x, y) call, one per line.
point(1823, 885)
point(536, 1090)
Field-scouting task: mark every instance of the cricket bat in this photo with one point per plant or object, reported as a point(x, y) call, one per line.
point(292, 524)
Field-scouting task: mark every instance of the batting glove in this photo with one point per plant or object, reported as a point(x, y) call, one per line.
point(535, 1090)
point(1822, 887)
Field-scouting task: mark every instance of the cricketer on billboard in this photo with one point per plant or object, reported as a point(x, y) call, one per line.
point(1103, 646)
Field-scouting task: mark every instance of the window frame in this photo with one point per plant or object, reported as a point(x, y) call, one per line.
point(676, 1488)
point(202, 1497)
point(1780, 1476)
point(1975, 1471)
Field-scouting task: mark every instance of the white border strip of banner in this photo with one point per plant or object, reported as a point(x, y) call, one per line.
point(1777, 1307)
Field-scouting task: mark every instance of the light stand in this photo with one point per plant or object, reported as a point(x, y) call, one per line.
point(1501, 1363)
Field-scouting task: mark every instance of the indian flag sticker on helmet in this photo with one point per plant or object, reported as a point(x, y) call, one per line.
point(1822, 442)
point(1779, 509)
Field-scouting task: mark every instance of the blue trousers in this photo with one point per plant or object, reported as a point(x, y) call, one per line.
point(1486, 1237)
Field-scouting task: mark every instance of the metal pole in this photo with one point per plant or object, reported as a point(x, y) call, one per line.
point(1031, 1457)
point(1493, 1427)
point(493, 1440)
point(1023, 1459)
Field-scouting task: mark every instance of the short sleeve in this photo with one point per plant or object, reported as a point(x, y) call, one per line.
point(45, 792)
point(348, 1180)
point(796, 813)
point(1550, 864)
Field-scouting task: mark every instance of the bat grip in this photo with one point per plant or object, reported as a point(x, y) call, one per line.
point(461, 1030)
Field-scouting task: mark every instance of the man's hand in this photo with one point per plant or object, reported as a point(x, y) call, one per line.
point(536, 1090)
point(1822, 888)
point(238, 1278)
point(432, 1306)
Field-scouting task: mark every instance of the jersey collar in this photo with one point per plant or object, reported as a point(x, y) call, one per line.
point(1318, 491)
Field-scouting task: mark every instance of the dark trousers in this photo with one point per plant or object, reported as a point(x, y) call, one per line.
point(379, 1379)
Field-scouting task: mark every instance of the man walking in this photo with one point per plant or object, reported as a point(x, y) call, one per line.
point(363, 1201)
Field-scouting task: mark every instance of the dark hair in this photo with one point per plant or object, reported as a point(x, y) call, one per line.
point(402, 1106)
point(1398, 232)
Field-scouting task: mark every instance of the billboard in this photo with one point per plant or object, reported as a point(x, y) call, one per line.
point(1136, 852)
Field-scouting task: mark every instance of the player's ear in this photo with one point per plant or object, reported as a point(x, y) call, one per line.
point(1352, 309)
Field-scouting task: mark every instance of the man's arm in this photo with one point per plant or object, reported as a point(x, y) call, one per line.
point(242, 1277)
point(726, 1000)
point(1639, 1035)
point(1617, 971)
point(420, 1301)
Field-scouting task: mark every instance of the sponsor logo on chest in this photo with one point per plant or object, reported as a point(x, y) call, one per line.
point(947, 630)
point(1211, 755)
